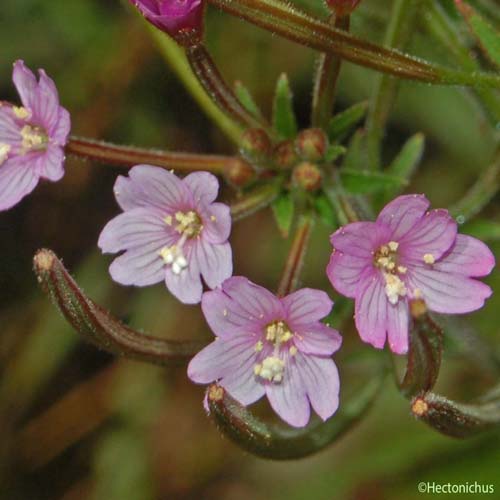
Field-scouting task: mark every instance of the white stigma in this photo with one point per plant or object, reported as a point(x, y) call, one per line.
point(394, 287)
point(429, 258)
point(174, 257)
point(272, 369)
point(4, 152)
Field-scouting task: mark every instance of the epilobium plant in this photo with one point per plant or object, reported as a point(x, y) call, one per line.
point(399, 269)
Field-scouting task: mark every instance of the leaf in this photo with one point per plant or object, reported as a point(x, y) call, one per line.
point(325, 210)
point(406, 161)
point(283, 209)
point(333, 152)
point(367, 181)
point(246, 99)
point(284, 120)
point(343, 123)
point(355, 157)
point(487, 37)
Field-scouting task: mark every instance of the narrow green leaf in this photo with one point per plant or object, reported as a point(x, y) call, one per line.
point(366, 181)
point(487, 37)
point(485, 230)
point(283, 213)
point(406, 161)
point(325, 210)
point(333, 152)
point(355, 157)
point(284, 120)
point(243, 94)
point(343, 123)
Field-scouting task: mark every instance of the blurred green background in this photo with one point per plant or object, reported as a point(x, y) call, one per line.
point(77, 423)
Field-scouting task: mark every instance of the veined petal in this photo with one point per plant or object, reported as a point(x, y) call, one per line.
point(306, 306)
point(10, 132)
point(288, 398)
point(215, 262)
point(360, 239)
point(186, 285)
point(317, 338)
point(433, 234)
point(448, 293)
point(136, 227)
point(45, 104)
point(204, 187)
point(51, 164)
point(401, 214)
point(216, 223)
point(139, 266)
point(62, 128)
point(397, 326)
point(17, 179)
point(25, 83)
point(468, 257)
point(320, 378)
point(344, 272)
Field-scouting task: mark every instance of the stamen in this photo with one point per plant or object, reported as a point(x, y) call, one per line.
point(33, 138)
point(4, 152)
point(393, 245)
point(259, 346)
point(394, 287)
point(272, 369)
point(429, 258)
point(21, 112)
point(293, 351)
point(189, 223)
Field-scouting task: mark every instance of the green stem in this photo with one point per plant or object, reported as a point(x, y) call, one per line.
point(325, 81)
point(288, 21)
point(254, 201)
point(385, 88)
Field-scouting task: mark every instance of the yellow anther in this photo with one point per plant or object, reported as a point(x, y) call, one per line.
point(21, 112)
point(429, 258)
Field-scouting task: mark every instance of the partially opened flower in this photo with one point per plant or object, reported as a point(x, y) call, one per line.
point(271, 346)
point(32, 136)
point(175, 17)
point(408, 253)
point(170, 230)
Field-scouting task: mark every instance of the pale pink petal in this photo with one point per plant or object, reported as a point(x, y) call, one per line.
point(317, 338)
point(216, 223)
point(397, 326)
point(45, 104)
point(401, 214)
point(139, 266)
point(204, 186)
point(433, 234)
point(468, 257)
point(51, 164)
point(288, 398)
point(62, 128)
point(186, 286)
point(360, 239)
point(17, 179)
point(320, 378)
point(214, 261)
point(371, 310)
point(448, 293)
point(10, 131)
point(306, 306)
point(25, 83)
point(345, 270)
point(136, 227)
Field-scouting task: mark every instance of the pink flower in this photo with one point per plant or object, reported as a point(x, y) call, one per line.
point(174, 17)
point(32, 136)
point(170, 230)
point(272, 346)
point(408, 253)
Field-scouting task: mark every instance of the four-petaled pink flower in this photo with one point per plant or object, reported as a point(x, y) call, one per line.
point(171, 230)
point(32, 136)
point(272, 346)
point(408, 253)
point(174, 17)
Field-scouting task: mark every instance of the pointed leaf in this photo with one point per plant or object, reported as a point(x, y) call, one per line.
point(243, 94)
point(367, 181)
point(406, 161)
point(284, 120)
point(283, 210)
point(343, 123)
point(325, 210)
point(333, 152)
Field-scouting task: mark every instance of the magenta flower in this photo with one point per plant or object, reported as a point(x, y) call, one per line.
point(32, 136)
point(170, 230)
point(272, 346)
point(173, 16)
point(408, 253)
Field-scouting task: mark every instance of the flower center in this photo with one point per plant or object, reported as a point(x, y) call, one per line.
point(386, 259)
point(189, 223)
point(33, 139)
point(4, 152)
point(272, 367)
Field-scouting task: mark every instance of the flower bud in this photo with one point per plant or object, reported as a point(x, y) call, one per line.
point(342, 7)
point(181, 19)
point(239, 172)
point(311, 144)
point(307, 176)
point(256, 145)
point(284, 155)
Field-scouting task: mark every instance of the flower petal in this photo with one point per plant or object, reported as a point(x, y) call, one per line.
point(215, 262)
point(344, 272)
point(401, 214)
point(62, 128)
point(433, 234)
point(321, 381)
point(186, 286)
point(317, 338)
point(139, 266)
point(10, 132)
point(203, 185)
point(240, 305)
point(306, 306)
point(216, 223)
point(51, 164)
point(17, 179)
point(45, 104)
point(25, 83)
point(397, 326)
point(448, 293)
point(468, 257)
point(288, 398)
point(134, 228)
point(360, 239)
